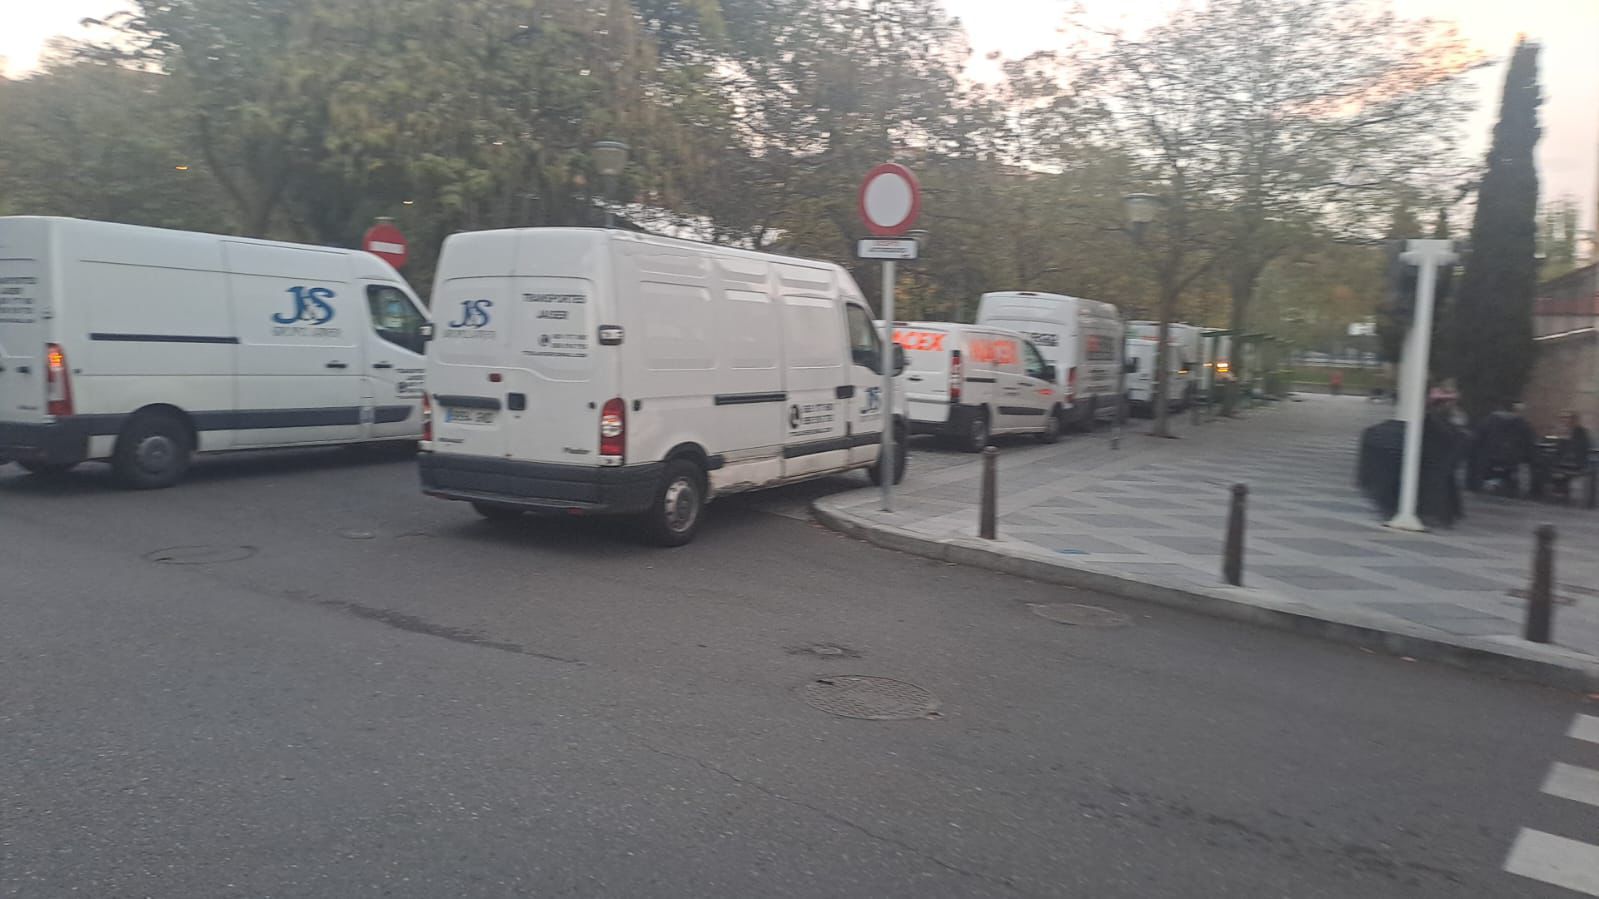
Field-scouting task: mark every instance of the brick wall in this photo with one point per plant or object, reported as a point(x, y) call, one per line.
point(1565, 376)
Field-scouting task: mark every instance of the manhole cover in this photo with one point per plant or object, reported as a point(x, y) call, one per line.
point(873, 698)
point(1080, 615)
point(200, 555)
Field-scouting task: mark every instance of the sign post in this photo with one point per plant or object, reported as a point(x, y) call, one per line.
point(387, 242)
point(1427, 256)
point(889, 200)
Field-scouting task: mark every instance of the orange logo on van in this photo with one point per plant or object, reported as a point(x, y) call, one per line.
point(923, 341)
point(996, 350)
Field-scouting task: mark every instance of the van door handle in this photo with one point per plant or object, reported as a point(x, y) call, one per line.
point(24, 369)
point(338, 365)
point(383, 365)
point(845, 392)
point(914, 378)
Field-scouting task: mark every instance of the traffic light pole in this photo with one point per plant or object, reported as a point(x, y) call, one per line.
point(1427, 256)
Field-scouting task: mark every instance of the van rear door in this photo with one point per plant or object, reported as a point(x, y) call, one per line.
point(23, 317)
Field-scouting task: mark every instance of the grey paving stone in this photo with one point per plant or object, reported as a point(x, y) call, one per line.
point(1438, 576)
point(1309, 578)
point(1330, 524)
point(1116, 520)
point(1322, 546)
point(1196, 546)
point(1437, 549)
point(1084, 545)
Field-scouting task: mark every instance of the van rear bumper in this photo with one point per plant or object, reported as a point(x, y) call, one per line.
point(959, 422)
point(57, 442)
point(541, 485)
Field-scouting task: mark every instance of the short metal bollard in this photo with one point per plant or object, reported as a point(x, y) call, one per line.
point(1232, 562)
point(1541, 599)
point(990, 499)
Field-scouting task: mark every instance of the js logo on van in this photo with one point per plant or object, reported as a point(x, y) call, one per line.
point(311, 307)
point(474, 314)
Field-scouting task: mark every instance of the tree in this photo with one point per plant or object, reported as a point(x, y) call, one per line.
point(1286, 115)
point(1493, 333)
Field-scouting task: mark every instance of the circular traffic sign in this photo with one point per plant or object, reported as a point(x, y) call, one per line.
point(387, 242)
point(890, 200)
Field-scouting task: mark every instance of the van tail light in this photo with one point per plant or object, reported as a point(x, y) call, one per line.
point(427, 418)
point(1071, 384)
point(613, 428)
point(957, 376)
point(57, 381)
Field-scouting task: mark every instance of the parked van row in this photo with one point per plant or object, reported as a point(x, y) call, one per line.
point(565, 370)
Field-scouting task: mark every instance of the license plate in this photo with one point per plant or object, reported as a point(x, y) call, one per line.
point(455, 415)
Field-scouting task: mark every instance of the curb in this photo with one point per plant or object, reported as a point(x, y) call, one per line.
point(1512, 659)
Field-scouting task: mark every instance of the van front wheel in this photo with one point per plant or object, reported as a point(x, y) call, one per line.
point(153, 451)
point(674, 517)
point(1052, 426)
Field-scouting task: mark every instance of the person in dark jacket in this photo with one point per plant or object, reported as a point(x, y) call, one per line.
point(1572, 446)
point(1503, 445)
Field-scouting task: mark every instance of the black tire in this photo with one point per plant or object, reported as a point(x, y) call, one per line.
point(47, 469)
point(153, 451)
point(902, 452)
point(1054, 424)
point(674, 515)
point(496, 512)
point(976, 436)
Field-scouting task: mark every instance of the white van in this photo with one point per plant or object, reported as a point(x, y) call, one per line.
point(1081, 338)
point(1140, 376)
point(1187, 353)
point(142, 346)
point(592, 371)
point(965, 382)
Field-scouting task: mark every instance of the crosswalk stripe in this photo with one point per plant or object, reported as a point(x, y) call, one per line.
point(1567, 863)
point(1573, 782)
point(1586, 727)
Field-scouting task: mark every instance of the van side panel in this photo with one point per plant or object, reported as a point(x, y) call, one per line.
point(26, 309)
point(815, 347)
point(300, 321)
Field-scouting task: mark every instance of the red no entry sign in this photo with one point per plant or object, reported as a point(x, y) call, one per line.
point(387, 242)
point(890, 200)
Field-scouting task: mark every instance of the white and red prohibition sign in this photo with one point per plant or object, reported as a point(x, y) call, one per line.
point(388, 243)
point(890, 200)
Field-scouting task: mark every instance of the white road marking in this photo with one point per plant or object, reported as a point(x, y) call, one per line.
point(1573, 782)
point(1566, 863)
point(1586, 727)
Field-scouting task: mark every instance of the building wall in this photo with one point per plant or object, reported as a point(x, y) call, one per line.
point(1565, 376)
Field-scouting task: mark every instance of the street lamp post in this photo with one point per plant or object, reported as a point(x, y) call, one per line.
point(610, 158)
point(1140, 210)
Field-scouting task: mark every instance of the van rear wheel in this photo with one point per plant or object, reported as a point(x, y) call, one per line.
point(153, 451)
point(902, 452)
point(674, 517)
point(976, 436)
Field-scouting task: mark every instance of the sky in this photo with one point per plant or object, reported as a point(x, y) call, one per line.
point(1568, 155)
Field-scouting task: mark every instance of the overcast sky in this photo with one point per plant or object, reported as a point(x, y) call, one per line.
point(1568, 30)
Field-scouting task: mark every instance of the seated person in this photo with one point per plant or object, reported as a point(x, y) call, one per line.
point(1503, 443)
point(1572, 445)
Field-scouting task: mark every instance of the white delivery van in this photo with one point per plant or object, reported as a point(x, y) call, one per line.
point(1081, 338)
point(142, 346)
point(1140, 383)
point(1187, 352)
point(592, 371)
point(965, 382)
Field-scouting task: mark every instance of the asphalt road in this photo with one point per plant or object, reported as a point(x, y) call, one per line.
point(384, 696)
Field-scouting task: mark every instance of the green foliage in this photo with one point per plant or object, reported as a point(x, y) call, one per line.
point(1493, 335)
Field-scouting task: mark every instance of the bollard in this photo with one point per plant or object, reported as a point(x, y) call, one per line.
point(1232, 563)
point(990, 499)
point(1541, 599)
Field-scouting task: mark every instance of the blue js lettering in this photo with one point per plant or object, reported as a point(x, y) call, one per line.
point(311, 307)
point(874, 400)
point(474, 314)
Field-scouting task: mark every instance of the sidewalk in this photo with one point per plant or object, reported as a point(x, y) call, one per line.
point(1148, 522)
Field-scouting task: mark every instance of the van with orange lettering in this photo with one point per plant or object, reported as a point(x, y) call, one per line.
point(1081, 338)
point(967, 382)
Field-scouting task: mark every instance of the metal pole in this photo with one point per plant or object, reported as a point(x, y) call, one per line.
point(1427, 255)
point(1232, 562)
point(1541, 600)
point(887, 456)
point(989, 511)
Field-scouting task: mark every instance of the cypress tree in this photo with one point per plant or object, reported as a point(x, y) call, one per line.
point(1493, 313)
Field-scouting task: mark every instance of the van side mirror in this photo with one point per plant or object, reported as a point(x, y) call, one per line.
point(1051, 372)
point(425, 331)
point(900, 360)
